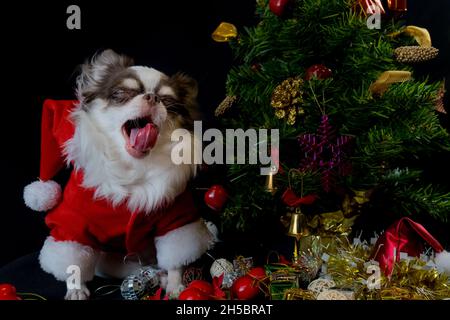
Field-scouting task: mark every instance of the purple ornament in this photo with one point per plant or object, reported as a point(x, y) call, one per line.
point(327, 153)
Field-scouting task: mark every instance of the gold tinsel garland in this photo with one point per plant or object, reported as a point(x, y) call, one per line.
point(412, 278)
point(346, 277)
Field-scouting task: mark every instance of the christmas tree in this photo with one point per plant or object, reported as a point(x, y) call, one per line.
point(356, 125)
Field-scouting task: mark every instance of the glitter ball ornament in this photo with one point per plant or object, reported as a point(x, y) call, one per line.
point(321, 284)
point(133, 287)
point(415, 54)
point(150, 276)
point(220, 266)
point(192, 274)
point(332, 295)
point(229, 279)
point(286, 99)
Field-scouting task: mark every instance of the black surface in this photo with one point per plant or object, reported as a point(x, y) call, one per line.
point(27, 276)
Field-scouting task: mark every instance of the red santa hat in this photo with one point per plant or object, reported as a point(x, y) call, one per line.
point(409, 237)
point(56, 129)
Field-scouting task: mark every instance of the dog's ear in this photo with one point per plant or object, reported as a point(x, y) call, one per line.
point(186, 88)
point(98, 69)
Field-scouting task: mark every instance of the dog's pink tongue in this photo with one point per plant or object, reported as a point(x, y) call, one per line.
point(143, 139)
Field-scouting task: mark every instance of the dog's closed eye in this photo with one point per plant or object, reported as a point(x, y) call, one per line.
point(122, 95)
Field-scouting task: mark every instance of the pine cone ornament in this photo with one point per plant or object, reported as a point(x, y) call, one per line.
point(286, 99)
point(415, 54)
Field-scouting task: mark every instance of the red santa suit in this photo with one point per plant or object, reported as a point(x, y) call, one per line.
point(77, 216)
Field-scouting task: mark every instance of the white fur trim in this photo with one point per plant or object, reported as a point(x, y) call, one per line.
point(442, 260)
point(57, 256)
point(184, 245)
point(42, 195)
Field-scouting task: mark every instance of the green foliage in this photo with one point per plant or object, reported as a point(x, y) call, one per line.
point(393, 132)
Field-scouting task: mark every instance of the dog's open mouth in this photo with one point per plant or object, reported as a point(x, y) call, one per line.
point(140, 136)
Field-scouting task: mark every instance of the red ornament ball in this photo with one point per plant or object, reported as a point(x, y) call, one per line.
point(216, 197)
point(278, 6)
point(203, 286)
point(193, 294)
point(257, 272)
point(8, 292)
point(245, 288)
point(319, 71)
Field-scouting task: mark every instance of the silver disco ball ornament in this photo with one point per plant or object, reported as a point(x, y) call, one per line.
point(133, 287)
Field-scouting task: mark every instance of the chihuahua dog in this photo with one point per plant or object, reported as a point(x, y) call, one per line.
point(125, 196)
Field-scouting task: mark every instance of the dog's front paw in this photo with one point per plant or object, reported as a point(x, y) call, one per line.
point(78, 294)
point(173, 291)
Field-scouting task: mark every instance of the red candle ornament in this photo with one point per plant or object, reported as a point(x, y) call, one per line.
point(319, 71)
point(202, 285)
point(8, 292)
point(193, 294)
point(245, 288)
point(216, 197)
point(278, 6)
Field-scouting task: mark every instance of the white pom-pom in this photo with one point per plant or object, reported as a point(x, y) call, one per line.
point(442, 260)
point(42, 195)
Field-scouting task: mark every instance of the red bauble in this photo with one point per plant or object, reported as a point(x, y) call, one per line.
point(257, 272)
point(215, 197)
point(278, 6)
point(204, 286)
point(8, 292)
point(193, 294)
point(245, 288)
point(319, 71)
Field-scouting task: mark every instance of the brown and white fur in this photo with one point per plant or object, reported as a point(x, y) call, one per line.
point(112, 91)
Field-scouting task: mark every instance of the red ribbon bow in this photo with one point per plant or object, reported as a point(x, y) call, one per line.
point(291, 199)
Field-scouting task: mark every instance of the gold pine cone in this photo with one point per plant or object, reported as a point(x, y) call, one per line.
point(415, 54)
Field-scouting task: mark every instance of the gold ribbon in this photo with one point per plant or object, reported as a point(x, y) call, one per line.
point(387, 78)
point(224, 32)
point(421, 35)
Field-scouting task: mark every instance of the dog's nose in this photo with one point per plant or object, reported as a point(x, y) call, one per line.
point(151, 98)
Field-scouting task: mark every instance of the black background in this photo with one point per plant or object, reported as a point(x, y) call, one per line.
point(40, 58)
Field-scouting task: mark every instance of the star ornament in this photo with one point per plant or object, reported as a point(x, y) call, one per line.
point(327, 153)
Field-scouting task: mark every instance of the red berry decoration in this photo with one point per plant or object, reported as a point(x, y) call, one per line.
point(257, 272)
point(215, 197)
point(193, 294)
point(278, 6)
point(8, 292)
point(319, 71)
point(245, 288)
point(204, 286)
